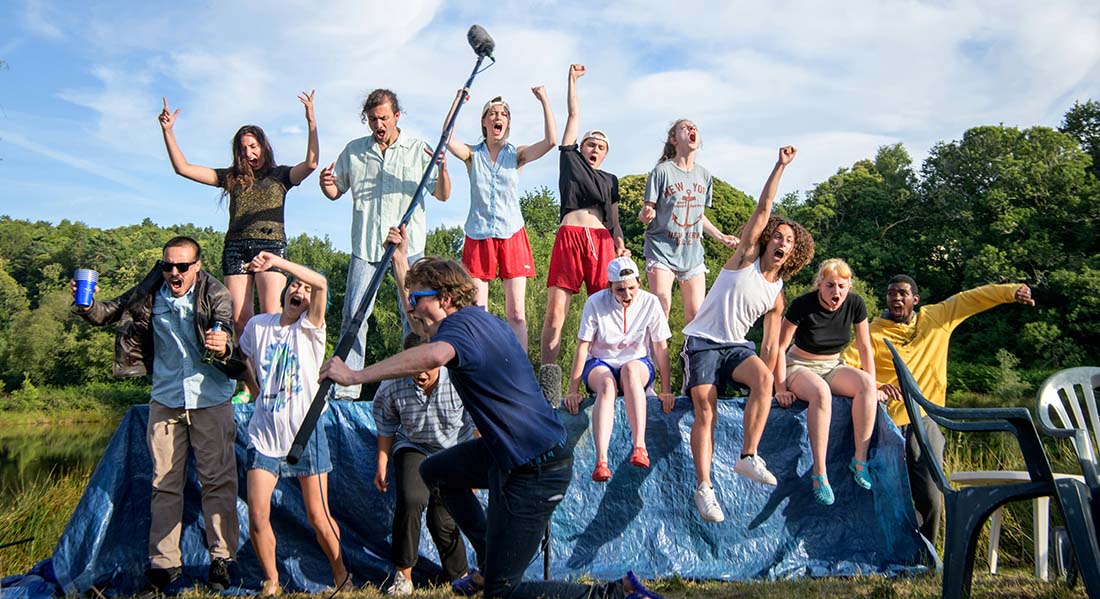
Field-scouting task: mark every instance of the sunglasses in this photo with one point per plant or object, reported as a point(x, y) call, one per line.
point(416, 295)
point(180, 266)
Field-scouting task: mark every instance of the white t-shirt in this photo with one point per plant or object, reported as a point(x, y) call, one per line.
point(617, 334)
point(287, 360)
point(735, 301)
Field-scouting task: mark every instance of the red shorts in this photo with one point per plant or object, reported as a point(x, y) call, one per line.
point(580, 255)
point(481, 257)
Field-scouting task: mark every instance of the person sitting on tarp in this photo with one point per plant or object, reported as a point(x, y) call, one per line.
point(167, 330)
point(716, 351)
point(922, 340)
point(521, 456)
point(820, 322)
point(618, 326)
point(285, 350)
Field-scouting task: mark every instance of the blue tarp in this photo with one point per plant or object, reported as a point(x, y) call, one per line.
point(642, 519)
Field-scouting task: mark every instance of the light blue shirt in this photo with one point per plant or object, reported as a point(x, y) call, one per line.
point(382, 185)
point(494, 194)
point(180, 379)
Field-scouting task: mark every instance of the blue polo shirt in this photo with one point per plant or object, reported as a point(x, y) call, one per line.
point(493, 377)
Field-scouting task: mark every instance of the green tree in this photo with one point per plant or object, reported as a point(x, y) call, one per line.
point(1083, 122)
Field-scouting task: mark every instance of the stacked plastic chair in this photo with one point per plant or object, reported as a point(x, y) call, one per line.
point(968, 508)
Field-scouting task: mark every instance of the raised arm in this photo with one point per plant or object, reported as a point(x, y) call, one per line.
point(199, 174)
point(747, 250)
point(307, 166)
point(318, 284)
point(573, 122)
point(533, 152)
point(442, 189)
point(457, 148)
point(400, 239)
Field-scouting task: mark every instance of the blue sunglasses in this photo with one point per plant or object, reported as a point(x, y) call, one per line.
point(416, 295)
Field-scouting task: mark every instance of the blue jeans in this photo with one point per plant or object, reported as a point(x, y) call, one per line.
point(360, 272)
point(520, 505)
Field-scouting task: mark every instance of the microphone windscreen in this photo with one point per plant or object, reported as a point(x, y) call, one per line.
point(480, 41)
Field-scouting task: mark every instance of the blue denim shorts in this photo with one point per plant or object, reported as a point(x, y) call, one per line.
point(316, 459)
point(710, 363)
point(592, 363)
point(237, 253)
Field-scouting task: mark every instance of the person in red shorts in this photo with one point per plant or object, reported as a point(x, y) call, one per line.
point(496, 240)
point(589, 235)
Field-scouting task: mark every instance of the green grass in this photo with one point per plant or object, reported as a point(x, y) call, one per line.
point(1003, 586)
point(40, 508)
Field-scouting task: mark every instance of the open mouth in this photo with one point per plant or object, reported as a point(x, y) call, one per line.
point(592, 158)
point(295, 301)
point(498, 128)
point(176, 283)
point(780, 253)
point(693, 137)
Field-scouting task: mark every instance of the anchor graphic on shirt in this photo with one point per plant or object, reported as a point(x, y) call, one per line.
point(687, 202)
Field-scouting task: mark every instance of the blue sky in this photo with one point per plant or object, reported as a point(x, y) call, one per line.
point(83, 86)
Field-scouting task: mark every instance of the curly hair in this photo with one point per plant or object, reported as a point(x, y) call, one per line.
point(377, 98)
point(803, 250)
point(241, 175)
point(445, 276)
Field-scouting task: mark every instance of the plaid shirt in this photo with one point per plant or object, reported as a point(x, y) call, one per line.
point(425, 423)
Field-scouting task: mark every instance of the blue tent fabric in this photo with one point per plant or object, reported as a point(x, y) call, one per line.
point(642, 519)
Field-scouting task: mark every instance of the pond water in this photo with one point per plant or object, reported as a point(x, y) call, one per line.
point(43, 451)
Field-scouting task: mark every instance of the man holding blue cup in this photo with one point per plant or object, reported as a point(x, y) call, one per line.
point(165, 323)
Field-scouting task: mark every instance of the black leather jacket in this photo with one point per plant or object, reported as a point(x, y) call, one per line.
point(133, 312)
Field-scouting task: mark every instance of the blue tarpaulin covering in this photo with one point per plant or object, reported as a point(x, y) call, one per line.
point(642, 519)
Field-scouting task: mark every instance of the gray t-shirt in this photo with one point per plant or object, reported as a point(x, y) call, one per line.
point(675, 237)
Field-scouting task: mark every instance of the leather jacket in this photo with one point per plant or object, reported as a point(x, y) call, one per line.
point(133, 312)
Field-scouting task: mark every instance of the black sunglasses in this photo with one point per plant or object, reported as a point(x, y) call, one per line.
point(180, 266)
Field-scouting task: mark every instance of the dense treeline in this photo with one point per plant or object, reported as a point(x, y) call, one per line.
point(999, 205)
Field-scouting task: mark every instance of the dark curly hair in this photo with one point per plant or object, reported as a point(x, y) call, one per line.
point(445, 276)
point(802, 253)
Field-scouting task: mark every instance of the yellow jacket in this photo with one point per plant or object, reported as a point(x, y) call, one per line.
point(922, 344)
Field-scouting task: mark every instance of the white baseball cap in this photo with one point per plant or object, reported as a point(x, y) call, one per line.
point(621, 269)
point(596, 133)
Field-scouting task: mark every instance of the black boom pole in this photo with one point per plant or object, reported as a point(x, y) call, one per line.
point(483, 46)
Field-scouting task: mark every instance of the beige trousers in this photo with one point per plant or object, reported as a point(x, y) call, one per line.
point(210, 433)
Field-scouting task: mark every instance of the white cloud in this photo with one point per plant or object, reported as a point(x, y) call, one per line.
point(838, 80)
point(40, 18)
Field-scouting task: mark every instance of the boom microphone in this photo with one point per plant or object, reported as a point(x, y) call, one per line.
point(480, 41)
point(483, 46)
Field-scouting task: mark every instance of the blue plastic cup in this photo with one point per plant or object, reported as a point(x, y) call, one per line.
point(86, 279)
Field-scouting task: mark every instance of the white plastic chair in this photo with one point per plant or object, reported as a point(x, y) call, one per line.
point(1061, 397)
point(1066, 408)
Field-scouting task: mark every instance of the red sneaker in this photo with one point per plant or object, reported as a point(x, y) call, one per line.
point(639, 457)
point(602, 473)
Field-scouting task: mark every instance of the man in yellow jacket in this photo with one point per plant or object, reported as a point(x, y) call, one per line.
point(922, 340)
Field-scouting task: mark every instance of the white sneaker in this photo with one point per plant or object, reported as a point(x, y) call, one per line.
point(707, 503)
point(754, 468)
point(401, 585)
